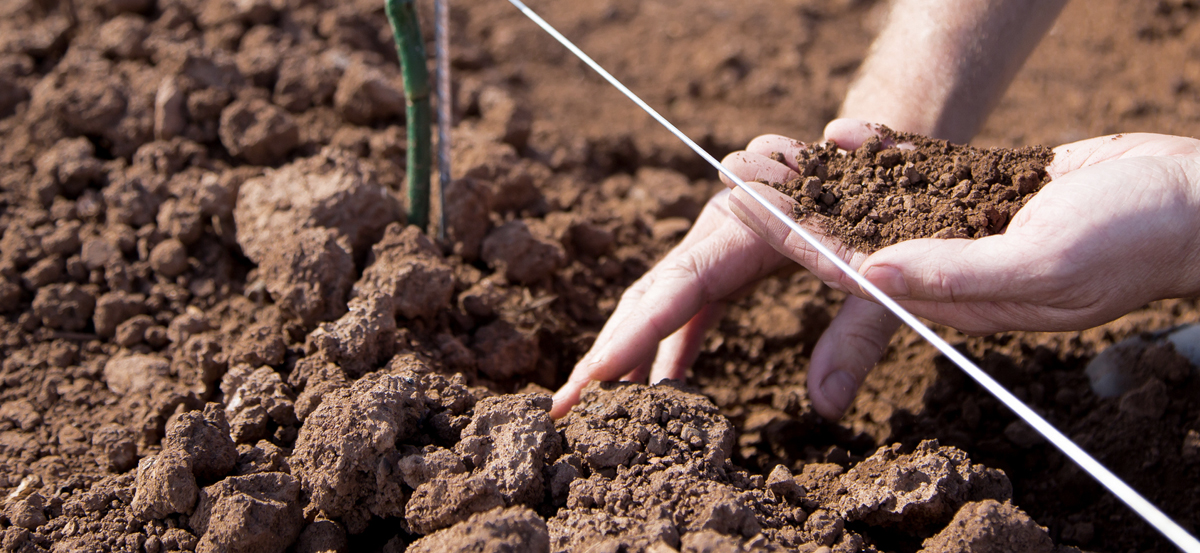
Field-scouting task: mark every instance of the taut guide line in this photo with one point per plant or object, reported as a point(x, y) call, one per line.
point(441, 41)
point(1159, 520)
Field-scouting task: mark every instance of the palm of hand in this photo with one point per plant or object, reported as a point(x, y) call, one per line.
point(1114, 229)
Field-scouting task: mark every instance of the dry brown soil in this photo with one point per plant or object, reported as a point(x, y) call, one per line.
point(217, 335)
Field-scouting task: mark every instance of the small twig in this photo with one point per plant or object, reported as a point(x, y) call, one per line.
point(402, 15)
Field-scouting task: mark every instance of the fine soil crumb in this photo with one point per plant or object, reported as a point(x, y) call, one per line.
point(900, 186)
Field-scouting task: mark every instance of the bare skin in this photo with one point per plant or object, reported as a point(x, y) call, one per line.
point(936, 68)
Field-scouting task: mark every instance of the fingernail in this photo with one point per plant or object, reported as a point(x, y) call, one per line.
point(560, 406)
point(839, 388)
point(889, 280)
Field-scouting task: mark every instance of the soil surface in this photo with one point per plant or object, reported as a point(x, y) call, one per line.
point(900, 186)
point(217, 333)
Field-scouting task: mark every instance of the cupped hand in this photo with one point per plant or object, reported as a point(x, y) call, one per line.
point(659, 324)
point(1116, 228)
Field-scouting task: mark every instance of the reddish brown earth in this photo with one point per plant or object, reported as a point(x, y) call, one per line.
point(217, 334)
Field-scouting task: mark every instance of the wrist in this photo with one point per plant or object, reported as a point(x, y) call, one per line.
point(938, 67)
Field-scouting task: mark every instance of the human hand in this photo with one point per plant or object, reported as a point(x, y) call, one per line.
point(659, 324)
point(1115, 229)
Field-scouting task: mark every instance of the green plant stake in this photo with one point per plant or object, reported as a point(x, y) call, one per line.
point(402, 14)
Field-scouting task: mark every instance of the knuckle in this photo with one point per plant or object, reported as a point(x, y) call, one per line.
point(942, 285)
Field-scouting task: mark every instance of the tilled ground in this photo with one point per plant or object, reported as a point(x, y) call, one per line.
point(218, 335)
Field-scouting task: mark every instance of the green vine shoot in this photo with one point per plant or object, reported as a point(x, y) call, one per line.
point(402, 14)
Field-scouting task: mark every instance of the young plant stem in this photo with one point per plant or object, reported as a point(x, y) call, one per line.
point(402, 14)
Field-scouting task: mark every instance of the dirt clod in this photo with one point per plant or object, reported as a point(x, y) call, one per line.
point(256, 513)
point(169, 258)
point(28, 513)
point(341, 443)
point(310, 276)
point(990, 526)
point(505, 352)
point(406, 267)
point(118, 448)
point(254, 399)
point(204, 438)
point(918, 489)
point(64, 306)
point(165, 485)
point(510, 530)
point(331, 190)
point(360, 340)
point(523, 254)
point(258, 131)
point(364, 94)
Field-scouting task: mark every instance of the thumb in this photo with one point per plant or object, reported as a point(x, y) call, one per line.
point(1085, 153)
point(851, 346)
point(994, 268)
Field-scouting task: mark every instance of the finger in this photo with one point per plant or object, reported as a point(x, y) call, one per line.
point(768, 145)
point(854, 342)
point(1006, 267)
point(752, 167)
point(678, 289)
point(1077, 155)
point(677, 353)
point(780, 237)
point(714, 215)
point(849, 134)
point(638, 374)
point(982, 318)
point(667, 297)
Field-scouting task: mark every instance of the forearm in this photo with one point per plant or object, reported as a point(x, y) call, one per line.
point(938, 67)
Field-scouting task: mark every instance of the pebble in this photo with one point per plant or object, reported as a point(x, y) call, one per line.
point(169, 258)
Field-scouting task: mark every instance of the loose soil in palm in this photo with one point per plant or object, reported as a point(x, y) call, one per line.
point(900, 186)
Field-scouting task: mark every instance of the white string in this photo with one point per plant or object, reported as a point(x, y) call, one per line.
point(441, 42)
point(1119, 488)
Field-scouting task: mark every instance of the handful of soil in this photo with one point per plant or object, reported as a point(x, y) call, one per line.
point(900, 186)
